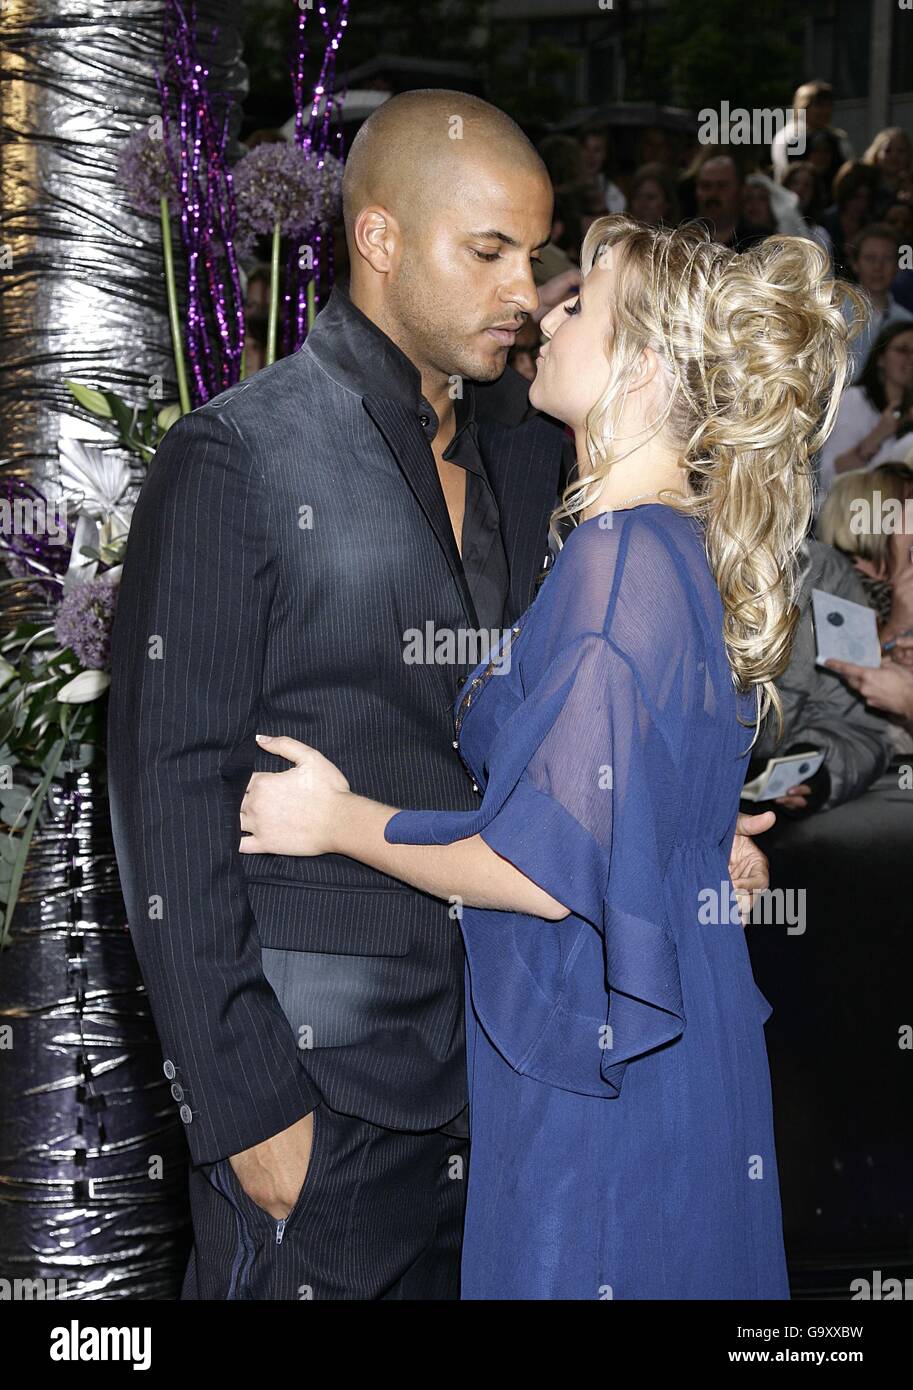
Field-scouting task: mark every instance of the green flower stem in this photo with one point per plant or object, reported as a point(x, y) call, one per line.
point(273, 325)
point(177, 342)
point(312, 306)
point(39, 794)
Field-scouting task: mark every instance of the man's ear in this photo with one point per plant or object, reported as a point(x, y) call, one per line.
point(376, 234)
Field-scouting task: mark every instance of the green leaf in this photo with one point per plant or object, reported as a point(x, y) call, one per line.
point(124, 414)
point(93, 401)
point(168, 416)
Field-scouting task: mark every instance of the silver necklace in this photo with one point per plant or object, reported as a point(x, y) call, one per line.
point(641, 496)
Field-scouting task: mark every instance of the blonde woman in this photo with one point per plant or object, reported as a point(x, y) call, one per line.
point(891, 153)
point(620, 1109)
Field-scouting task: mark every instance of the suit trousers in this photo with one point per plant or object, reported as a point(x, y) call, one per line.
point(379, 1216)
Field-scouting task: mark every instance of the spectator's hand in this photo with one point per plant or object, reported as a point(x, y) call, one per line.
point(902, 652)
point(555, 292)
point(796, 799)
point(887, 687)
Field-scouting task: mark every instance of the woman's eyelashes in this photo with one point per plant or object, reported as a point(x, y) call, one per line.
point(573, 308)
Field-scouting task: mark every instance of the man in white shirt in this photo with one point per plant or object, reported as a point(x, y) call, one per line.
point(816, 100)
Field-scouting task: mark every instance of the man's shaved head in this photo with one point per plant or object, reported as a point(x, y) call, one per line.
point(415, 147)
point(445, 202)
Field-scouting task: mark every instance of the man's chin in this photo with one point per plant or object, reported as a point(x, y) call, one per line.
point(486, 368)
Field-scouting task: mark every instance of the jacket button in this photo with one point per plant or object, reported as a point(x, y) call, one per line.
point(186, 1114)
point(177, 1091)
point(168, 1069)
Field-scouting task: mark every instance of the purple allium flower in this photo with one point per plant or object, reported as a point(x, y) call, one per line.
point(281, 183)
point(144, 172)
point(84, 619)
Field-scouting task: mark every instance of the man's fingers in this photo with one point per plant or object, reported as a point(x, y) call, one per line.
point(755, 824)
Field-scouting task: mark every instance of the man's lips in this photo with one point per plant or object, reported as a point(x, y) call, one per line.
point(505, 334)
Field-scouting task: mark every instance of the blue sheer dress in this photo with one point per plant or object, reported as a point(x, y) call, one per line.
point(622, 1141)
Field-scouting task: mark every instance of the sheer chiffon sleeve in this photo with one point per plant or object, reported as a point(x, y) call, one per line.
point(578, 799)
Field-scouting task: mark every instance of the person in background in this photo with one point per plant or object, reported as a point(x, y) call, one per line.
point(802, 179)
point(875, 414)
point(767, 207)
point(654, 146)
point(594, 145)
point(882, 556)
point(816, 99)
point(843, 522)
point(718, 201)
point(562, 251)
point(653, 198)
point(820, 712)
point(854, 191)
point(874, 259)
point(563, 159)
point(891, 155)
point(899, 217)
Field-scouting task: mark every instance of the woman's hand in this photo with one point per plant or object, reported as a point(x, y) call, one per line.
point(295, 811)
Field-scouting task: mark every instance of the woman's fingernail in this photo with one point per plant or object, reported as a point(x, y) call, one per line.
point(263, 738)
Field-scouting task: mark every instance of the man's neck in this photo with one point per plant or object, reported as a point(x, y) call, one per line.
point(435, 385)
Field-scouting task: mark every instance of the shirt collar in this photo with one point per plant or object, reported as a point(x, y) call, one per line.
point(359, 356)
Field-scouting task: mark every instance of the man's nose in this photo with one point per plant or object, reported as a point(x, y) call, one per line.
point(521, 290)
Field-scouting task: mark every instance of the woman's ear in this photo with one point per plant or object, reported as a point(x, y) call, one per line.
point(646, 371)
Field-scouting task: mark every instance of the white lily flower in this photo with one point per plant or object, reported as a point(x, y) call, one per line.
point(84, 687)
point(80, 567)
point(96, 480)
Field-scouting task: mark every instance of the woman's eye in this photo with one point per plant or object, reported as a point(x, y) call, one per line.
point(572, 308)
point(486, 255)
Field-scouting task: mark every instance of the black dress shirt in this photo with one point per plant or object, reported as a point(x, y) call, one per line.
point(382, 368)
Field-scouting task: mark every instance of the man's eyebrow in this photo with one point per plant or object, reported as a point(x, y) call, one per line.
point(494, 235)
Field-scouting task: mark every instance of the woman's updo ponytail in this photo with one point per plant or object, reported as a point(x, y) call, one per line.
point(754, 347)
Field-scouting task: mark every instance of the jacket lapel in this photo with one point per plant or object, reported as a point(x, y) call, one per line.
point(398, 425)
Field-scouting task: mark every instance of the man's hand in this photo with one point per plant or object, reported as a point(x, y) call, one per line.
point(749, 870)
point(555, 292)
point(271, 1172)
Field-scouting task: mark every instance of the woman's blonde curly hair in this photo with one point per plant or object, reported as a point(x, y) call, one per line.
point(753, 347)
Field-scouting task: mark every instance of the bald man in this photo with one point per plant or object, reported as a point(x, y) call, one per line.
point(325, 551)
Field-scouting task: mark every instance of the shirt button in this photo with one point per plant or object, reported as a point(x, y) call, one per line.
point(186, 1114)
point(423, 421)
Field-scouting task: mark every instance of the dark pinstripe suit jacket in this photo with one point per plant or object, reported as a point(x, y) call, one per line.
point(288, 534)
